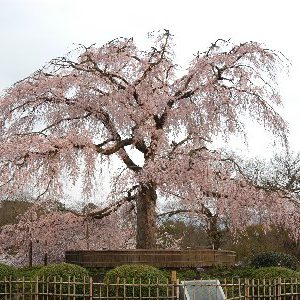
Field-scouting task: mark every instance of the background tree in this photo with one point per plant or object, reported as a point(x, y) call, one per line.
point(255, 239)
point(182, 233)
point(185, 233)
point(115, 101)
point(279, 173)
point(205, 212)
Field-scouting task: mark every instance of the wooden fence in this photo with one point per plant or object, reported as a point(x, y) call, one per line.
point(162, 258)
point(87, 289)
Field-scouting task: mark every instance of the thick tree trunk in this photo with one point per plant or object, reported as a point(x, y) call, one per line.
point(212, 229)
point(146, 218)
point(214, 233)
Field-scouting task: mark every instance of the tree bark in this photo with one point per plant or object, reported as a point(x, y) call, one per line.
point(30, 253)
point(146, 217)
point(214, 233)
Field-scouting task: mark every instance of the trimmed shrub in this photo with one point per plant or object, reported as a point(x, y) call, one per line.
point(64, 272)
point(152, 278)
point(28, 272)
point(274, 259)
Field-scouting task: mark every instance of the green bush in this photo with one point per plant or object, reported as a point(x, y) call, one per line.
point(186, 274)
point(28, 272)
point(149, 280)
point(98, 274)
point(228, 272)
point(274, 259)
point(271, 276)
point(64, 272)
point(274, 272)
point(250, 272)
point(255, 278)
point(181, 274)
point(5, 272)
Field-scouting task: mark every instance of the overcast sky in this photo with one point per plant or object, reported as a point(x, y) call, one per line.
point(34, 31)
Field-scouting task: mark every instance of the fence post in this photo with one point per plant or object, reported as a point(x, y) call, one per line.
point(274, 288)
point(37, 288)
point(247, 289)
point(117, 287)
point(173, 276)
point(91, 288)
point(279, 289)
point(10, 287)
point(177, 289)
point(239, 284)
point(173, 282)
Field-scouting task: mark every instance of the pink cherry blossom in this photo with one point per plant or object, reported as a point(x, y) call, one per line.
point(62, 121)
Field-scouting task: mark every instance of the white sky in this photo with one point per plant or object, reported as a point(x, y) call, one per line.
point(34, 31)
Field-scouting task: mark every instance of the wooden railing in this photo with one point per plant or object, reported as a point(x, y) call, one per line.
point(87, 289)
point(191, 258)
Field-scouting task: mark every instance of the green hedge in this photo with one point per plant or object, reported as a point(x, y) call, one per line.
point(255, 276)
point(274, 259)
point(250, 272)
point(139, 274)
point(6, 272)
point(188, 274)
point(64, 272)
point(28, 272)
point(275, 272)
point(271, 276)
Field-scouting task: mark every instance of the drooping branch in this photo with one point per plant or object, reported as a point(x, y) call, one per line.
point(114, 148)
point(203, 211)
point(282, 191)
point(156, 52)
point(108, 210)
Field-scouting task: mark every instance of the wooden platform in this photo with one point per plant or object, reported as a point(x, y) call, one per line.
point(159, 258)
